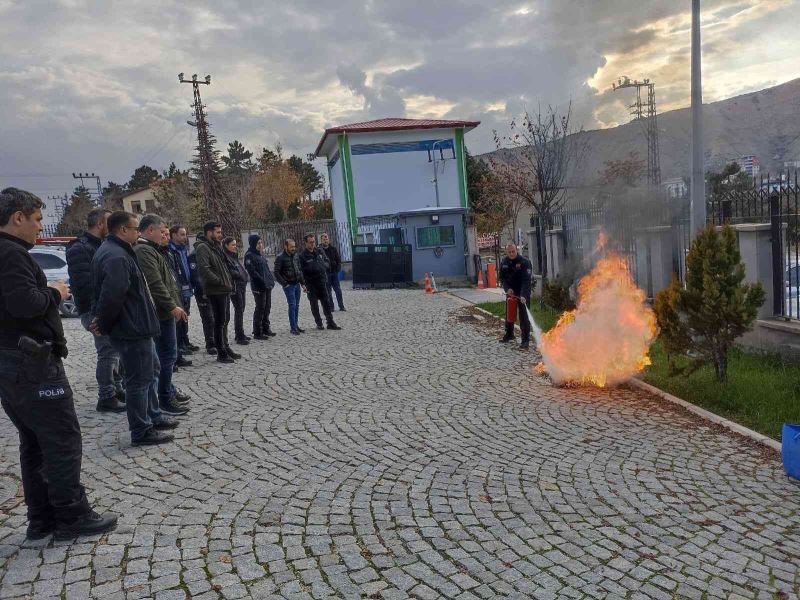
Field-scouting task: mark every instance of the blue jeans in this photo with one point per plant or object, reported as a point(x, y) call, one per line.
point(109, 380)
point(167, 349)
point(293, 300)
point(140, 361)
point(333, 285)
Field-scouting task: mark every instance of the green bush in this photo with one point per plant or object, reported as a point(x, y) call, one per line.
point(555, 293)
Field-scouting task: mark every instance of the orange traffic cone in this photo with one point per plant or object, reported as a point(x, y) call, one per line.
point(428, 288)
point(481, 286)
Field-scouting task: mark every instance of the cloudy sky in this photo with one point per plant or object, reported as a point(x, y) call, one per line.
point(92, 86)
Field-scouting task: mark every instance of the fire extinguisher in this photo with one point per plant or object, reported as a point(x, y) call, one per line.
point(511, 308)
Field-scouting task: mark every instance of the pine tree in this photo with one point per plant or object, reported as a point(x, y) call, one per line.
point(716, 306)
point(74, 218)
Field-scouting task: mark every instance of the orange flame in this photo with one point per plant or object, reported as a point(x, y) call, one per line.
point(607, 338)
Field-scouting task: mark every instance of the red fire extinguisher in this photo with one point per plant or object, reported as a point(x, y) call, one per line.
point(511, 308)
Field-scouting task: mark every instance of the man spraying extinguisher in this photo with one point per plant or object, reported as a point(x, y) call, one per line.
point(516, 272)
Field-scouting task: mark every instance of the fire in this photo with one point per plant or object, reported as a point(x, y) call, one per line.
point(606, 339)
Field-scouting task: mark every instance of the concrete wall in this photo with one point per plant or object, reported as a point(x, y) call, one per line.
point(424, 260)
point(387, 181)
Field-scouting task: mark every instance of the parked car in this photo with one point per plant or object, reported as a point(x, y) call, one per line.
point(53, 261)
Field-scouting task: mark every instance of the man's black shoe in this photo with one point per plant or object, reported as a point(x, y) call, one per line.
point(301, 330)
point(505, 339)
point(295, 332)
point(320, 326)
point(232, 354)
point(173, 409)
point(40, 528)
point(242, 341)
point(247, 337)
point(270, 333)
point(193, 348)
point(89, 524)
point(111, 405)
point(260, 336)
point(342, 309)
point(165, 423)
point(225, 359)
point(182, 362)
point(120, 396)
point(334, 326)
point(524, 345)
point(184, 351)
point(211, 351)
point(152, 438)
point(181, 397)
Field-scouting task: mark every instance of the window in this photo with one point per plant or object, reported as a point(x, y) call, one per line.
point(48, 261)
point(136, 207)
point(436, 235)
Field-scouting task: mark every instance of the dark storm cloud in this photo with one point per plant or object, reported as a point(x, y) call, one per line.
point(92, 84)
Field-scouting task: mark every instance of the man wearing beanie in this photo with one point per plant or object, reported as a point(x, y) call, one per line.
point(261, 283)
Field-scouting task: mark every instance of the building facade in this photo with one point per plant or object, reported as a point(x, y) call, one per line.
point(139, 202)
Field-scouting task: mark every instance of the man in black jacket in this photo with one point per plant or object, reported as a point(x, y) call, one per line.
point(124, 311)
point(315, 268)
point(239, 278)
point(179, 261)
point(80, 252)
point(203, 305)
point(335, 261)
point(515, 276)
point(261, 283)
point(289, 274)
point(34, 389)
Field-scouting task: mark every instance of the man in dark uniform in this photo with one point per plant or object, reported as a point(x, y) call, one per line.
point(34, 389)
point(335, 260)
point(515, 276)
point(315, 266)
point(203, 305)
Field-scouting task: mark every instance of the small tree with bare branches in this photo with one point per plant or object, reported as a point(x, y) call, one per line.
point(535, 159)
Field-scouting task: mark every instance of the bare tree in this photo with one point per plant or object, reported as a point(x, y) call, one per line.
point(535, 159)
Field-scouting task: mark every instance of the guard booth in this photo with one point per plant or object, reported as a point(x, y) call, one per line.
point(382, 265)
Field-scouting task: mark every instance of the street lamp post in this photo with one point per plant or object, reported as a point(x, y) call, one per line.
point(435, 173)
point(698, 187)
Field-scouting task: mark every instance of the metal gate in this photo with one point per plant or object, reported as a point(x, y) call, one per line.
point(381, 265)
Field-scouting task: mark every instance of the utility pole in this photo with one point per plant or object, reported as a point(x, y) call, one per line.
point(698, 186)
point(82, 176)
point(206, 164)
point(60, 206)
point(645, 112)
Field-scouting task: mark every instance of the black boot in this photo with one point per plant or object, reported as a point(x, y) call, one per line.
point(111, 405)
point(232, 354)
point(152, 438)
point(89, 524)
point(270, 333)
point(40, 528)
point(260, 336)
point(524, 344)
point(333, 326)
point(212, 351)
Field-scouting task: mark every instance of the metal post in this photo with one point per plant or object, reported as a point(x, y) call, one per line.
point(435, 174)
point(698, 190)
point(778, 285)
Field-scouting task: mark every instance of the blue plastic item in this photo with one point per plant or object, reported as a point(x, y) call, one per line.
point(341, 275)
point(790, 449)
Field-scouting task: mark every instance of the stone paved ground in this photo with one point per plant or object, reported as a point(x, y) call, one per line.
point(410, 455)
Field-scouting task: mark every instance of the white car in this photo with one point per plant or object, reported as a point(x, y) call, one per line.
point(53, 260)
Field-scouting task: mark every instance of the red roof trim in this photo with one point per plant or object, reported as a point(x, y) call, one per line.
point(393, 125)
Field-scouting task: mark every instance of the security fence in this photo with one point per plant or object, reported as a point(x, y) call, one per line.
point(653, 234)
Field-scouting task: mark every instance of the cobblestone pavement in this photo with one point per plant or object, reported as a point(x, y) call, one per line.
point(409, 455)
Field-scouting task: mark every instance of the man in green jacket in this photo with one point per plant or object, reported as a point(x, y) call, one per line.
point(217, 284)
point(151, 252)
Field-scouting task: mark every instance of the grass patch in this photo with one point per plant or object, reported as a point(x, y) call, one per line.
point(544, 316)
point(762, 391)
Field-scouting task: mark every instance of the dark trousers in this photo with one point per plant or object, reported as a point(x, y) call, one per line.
point(238, 301)
point(524, 322)
point(317, 294)
point(221, 309)
point(207, 317)
point(49, 438)
point(333, 285)
point(142, 371)
point(261, 312)
point(182, 327)
point(167, 350)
